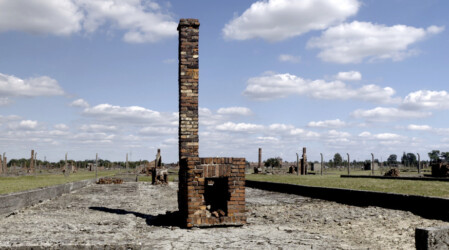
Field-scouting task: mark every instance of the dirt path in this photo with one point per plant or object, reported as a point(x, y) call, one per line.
point(131, 215)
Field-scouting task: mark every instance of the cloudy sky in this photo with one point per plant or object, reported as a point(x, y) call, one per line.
point(347, 76)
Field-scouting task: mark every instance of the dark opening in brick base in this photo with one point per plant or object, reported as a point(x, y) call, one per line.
point(216, 196)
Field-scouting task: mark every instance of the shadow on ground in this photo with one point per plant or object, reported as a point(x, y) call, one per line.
point(169, 219)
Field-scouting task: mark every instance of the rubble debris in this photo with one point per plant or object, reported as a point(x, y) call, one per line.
point(440, 169)
point(109, 180)
point(394, 172)
point(159, 174)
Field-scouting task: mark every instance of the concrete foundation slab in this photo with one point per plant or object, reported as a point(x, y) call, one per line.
point(432, 238)
point(134, 216)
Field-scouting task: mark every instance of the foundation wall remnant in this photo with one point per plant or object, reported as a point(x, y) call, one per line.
point(159, 174)
point(304, 162)
point(31, 170)
point(211, 190)
point(432, 238)
point(258, 169)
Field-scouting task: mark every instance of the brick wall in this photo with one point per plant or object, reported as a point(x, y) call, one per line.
point(196, 207)
point(188, 87)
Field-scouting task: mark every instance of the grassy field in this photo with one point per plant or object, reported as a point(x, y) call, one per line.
point(426, 188)
point(379, 172)
point(22, 183)
point(171, 177)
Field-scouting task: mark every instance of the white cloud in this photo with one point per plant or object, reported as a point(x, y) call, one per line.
point(426, 99)
point(276, 20)
point(279, 127)
point(338, 134)
point(289, 58)
point(381, 136)
point(267, 139)
point(419, 127)
point(38, 86)
point(382, 114)
point(357, 41)
point(58, 17)
point(234, 111)
point(61, 126)
point(337, 123)
point(387, 136)
point(80, 103)
point(239, 127)
point(4, 101)
point(57, 132)
point(273, 86)
point(27, 124)
point(126, 114)
point(98, 128)
point(159, 131)
point(9, 118)
point(142, 21)
point(365, 134)
point(93, 137)
point(207, 118)
point(349, 76)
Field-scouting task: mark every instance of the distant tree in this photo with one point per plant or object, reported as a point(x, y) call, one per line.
point(434, 155)
point(272, 162)
point(404, 159)
point(411, 159)
point(338, 160)
point(392, 159)
point(444, 156)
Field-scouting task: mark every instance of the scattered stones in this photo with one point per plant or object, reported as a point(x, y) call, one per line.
point(109, 180)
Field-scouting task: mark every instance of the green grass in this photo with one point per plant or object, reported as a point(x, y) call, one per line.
point(22, 183)
point(171, 177)
point(378, 172)
point(425, 188)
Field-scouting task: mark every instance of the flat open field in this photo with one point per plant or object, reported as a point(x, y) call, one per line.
point(425, 188)
point(12, 184)
point(132, 215)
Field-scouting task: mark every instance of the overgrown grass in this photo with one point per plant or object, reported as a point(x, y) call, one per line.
point(22, 183)
point(425, 188)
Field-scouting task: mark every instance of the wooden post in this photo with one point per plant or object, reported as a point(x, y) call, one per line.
point(297, 164)
point(65, 166)
point(35, 164)
point(96, 167)
point(419, 164)
point(322, 166)
point(348, 162)
point(372, 163)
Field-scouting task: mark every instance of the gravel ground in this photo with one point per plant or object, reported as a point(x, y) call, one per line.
point(132, 215)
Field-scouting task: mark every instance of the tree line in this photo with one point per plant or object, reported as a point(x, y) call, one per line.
point(407, 159)
point(81, 164)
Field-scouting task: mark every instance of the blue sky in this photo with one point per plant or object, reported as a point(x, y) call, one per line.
point(346, 76)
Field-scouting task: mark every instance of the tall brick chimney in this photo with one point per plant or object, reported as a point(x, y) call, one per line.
point(188, 87)
point(211, 190)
